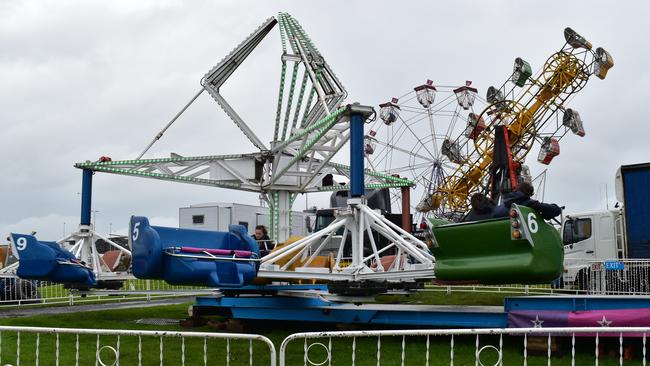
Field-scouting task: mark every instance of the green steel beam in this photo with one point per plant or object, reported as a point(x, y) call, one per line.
point(327, 120)
point(292, 87)
point(346, 187)
point(305, 148)
point(404, 182)
point(170, 177)
point(92, 164)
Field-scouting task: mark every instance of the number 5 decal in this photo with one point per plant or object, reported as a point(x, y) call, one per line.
point(136, 231)
point(532, 223)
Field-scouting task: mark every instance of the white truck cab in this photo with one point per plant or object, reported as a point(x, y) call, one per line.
point(621, 234)
point(591, 236)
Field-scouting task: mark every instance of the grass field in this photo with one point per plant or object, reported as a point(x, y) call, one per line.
point(442, 298)
point(366, 349)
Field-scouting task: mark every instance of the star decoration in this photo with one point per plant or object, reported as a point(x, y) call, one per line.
point(604, 322)
point(537, 323)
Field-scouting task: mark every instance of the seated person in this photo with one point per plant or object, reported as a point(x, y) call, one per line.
point(262, 237)
point(482, 208)
point(522, 196)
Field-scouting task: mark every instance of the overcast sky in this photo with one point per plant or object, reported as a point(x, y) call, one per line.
point(82, 79)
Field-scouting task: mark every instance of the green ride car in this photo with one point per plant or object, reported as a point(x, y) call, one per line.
point(522, 248)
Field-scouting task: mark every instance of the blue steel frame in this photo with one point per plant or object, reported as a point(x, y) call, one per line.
point(357, 188)
point(313, 309)
point(86, 196)
point(316, 309)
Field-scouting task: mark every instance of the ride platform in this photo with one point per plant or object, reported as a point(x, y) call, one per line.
point(311, 303)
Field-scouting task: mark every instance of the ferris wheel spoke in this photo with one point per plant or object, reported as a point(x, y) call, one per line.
point(391, 147)
point(391, 132)
point(411, 121)
point(406, 168)
point(433, 133)
point(419, 126)
point(439, 108)
point(448, 165)
point(416, 137)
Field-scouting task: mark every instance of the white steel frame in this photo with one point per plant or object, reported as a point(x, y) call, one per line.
point(84, 249)
point(302, 148)
point(412, 261)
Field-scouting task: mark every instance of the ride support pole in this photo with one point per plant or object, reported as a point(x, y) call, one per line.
point(358, 115)
point(86, 196)
point(406, 209)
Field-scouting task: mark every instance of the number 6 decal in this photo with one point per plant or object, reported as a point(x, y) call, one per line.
point(532, 223)
point(136, 231)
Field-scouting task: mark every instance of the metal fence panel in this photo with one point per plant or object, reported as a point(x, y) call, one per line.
point(62, 346)
point(602, 277)
point(67, 346)
point(619, 277)
point(17, 292)
point(464, 347)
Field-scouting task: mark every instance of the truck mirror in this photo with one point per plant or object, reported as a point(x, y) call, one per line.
point(567, 231)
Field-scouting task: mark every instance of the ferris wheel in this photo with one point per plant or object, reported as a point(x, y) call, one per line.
point(423, 135)
point(449, 148)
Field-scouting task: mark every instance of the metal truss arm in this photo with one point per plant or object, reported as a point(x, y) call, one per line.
point(216, 77)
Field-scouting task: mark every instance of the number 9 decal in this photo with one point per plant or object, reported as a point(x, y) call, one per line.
point(136, 231)
point(532, 223)
point(21, 243)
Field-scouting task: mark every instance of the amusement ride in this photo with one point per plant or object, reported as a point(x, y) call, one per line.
point(360, 249)
point(442, 137)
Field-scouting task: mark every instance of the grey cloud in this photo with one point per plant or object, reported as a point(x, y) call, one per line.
point(84, 79)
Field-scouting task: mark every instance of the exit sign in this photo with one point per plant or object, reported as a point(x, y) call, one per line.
point(614, 265)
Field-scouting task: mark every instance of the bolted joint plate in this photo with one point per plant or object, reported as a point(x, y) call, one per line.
point(355, 201)
point(356, 108)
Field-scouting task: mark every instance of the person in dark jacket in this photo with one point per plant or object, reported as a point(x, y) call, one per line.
point(522, 196)
point(482, 208)
point(261, 236)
